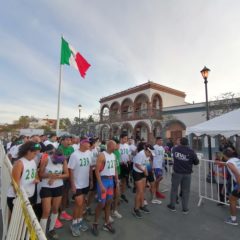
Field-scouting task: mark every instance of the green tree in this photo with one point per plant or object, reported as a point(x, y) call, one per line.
point(90, 119)
point(65, 124)
point(23, 122)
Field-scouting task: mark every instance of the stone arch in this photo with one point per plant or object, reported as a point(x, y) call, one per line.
point(141, 105)
point(114, 111)
point(141, 131)
point(156, 105)
point(156, 101)
point(127, 108)
point(104, 113)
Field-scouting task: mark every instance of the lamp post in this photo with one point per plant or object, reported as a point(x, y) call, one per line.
point(79, 111)
point(204, 73)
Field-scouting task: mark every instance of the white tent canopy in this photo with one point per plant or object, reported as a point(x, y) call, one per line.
point(227, 125)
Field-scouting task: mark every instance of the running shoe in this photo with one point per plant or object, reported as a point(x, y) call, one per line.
point(145, 202)
point(108, 227)
point(65, 216)
point(75, 230)
point(137, 213)
point(123, 197)
point(111, 220)
point(83, 226)
point(144, 209)
point(230, 221)
point(58, 224)
point(116, 214)
point(160, 195)
point(170, 207)
point(185, 211)
point(52, 235)
point(89, 211)
point(156, 201)
point(95, 231)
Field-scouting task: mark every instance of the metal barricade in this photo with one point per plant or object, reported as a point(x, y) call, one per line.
point(23, 223)
point(211, 190)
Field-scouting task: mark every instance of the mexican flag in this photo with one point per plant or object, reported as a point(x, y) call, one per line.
point(71, 57)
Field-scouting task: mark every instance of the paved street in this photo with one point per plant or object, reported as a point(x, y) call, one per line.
point(202, 223)
point(205, 222)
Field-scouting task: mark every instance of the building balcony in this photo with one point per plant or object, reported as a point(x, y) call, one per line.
point(131, 116)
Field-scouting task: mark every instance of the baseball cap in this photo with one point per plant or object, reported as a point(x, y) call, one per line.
point(150, 148)
point(84, 140)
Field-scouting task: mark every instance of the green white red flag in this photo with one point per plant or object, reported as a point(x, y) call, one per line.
point(71, 57)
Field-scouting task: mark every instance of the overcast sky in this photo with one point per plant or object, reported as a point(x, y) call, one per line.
point(127, 42)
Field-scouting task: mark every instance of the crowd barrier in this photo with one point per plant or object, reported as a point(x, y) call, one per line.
point(220, 185)
point(23, 223)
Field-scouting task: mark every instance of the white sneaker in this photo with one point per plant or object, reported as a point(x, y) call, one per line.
point(164, 190)
point(145, 202)
point(111, 220)
point(116, 214)
point(156, 201)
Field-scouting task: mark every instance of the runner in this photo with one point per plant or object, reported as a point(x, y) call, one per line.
point(133, 152)
point(233, 165)
point(80, 172)
point(52, 139)
point(115, 212)
point(92, 191)
point(150, 177)
point(24, 172)
point(53, 170)
point(140, 173)
point(105, 173)
point(66, 148)
point(158, 162)
point(124, 164)
point(75, 143)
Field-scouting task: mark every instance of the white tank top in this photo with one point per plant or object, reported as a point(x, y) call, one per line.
point(27, 178)
point(53, 168)
point(109, 167)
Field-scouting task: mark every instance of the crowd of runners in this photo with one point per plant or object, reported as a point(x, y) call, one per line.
point(94, 176)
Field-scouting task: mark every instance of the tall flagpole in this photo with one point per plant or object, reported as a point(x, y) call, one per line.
point(59, 94)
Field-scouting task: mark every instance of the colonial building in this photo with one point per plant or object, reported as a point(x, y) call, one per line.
point(140, 111)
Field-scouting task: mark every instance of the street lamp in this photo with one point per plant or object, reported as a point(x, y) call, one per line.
point(204, 73)
point(79, 109)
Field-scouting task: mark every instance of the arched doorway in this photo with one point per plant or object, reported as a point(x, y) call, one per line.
point(105, 132)
point(115, 131)
point(175, 129)
point(127, 128)
point(141, 131)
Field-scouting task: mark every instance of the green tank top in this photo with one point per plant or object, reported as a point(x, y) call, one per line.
point(118, 156)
